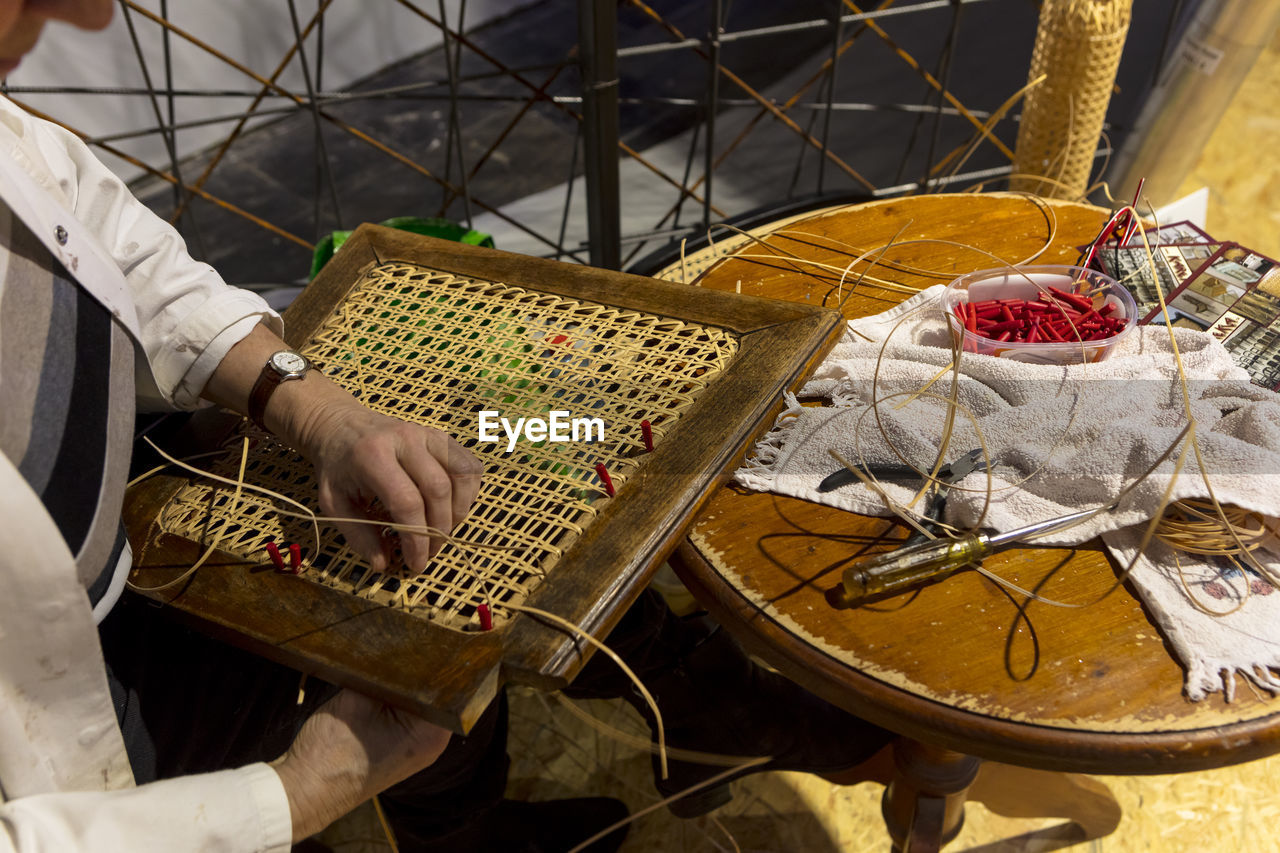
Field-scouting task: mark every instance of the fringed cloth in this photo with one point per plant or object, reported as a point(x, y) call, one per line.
point(1060, 439)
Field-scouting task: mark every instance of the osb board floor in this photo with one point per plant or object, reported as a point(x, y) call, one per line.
point(1232, 809)
point(1244, 189)
point(555, 755)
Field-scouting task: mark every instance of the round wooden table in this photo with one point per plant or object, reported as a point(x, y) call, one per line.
point(963, 669)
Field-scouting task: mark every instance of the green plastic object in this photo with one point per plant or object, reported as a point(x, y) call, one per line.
point(444, 229)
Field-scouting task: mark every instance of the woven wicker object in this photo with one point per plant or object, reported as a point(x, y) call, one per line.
point(1078, 47)
point(437, 333)
point(435, 348)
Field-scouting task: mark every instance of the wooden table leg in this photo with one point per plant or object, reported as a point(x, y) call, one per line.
point(924, 805)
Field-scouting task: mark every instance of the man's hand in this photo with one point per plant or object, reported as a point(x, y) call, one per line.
point(350, 749)
point(419, 476)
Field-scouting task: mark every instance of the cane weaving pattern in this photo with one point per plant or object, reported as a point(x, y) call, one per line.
point(435, 348)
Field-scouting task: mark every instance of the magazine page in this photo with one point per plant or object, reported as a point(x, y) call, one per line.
point(1250, 328)
point(1166, 235)
point(1167, 268)
point(1201, 297)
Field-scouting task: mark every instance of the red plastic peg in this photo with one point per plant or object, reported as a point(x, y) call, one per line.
point(605, 478)
point(646, 431)
point(295, 558)
point(274, 553)
point(486, 618)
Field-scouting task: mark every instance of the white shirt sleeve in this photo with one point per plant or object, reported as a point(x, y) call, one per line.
point(188, 316)
point(236, 811)
point(188, 319)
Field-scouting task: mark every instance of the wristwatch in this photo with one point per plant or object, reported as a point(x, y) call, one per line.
point(281, 367)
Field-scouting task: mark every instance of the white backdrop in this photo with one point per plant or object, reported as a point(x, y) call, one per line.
point(361, 37)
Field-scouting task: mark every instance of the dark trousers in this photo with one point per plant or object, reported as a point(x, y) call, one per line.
point(189, 704)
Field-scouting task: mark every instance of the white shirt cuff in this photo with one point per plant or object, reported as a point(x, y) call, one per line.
point(274, 816)
point(222, 322)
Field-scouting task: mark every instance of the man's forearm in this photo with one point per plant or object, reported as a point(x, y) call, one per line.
point(292, 407)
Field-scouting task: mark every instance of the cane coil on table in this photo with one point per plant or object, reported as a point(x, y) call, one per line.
point(1078, 47)
point(724, 241)
point(437, 348)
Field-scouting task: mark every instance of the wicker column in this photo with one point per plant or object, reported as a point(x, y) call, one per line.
point(1078, 46)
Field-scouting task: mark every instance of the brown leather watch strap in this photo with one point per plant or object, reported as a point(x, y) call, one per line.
point(281, 367)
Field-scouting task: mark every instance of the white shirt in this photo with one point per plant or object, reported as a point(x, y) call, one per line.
point(65, 782)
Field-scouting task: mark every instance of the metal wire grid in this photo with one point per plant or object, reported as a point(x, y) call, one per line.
point(806, 113)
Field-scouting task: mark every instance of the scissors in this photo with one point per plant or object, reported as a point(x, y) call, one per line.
point(1120, 225)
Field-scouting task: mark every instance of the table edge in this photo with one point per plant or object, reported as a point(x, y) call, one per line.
point(929, 721)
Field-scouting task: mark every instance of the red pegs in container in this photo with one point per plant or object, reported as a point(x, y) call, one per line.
point(605, 478)
point(486, 618)
point(646, 432)
point(295, 558)
point(274, 553)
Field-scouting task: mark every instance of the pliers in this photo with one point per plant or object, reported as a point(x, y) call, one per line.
point(935, 497)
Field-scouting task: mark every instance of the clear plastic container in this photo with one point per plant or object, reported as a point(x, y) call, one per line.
point(1028, 283)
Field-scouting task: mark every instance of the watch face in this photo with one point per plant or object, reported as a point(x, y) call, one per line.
point(288, 362)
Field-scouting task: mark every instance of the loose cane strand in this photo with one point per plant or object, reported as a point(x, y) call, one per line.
point(644, 691)
point(647, 745)
point(213, 546)
point(706, 783)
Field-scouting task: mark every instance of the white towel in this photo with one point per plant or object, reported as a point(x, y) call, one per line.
point(1061, 438)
